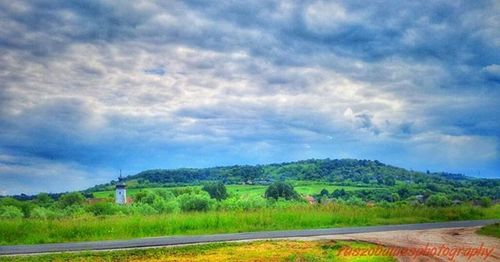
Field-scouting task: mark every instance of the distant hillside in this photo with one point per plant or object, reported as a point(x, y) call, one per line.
point(338, 171)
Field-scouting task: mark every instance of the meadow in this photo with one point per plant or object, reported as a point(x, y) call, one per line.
point(293, 216)
point(254, 251)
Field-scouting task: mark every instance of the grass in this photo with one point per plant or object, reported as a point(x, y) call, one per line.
point(253, 251)
point(303, 187)
point(33, 231)
point(490, 230)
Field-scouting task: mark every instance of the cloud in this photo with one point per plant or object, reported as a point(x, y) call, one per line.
point(34, 175)
point(492, 72)
point(96, 86)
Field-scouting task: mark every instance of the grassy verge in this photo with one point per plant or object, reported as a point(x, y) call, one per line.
point(32, 231)
point(490, 230)
point(254, 251)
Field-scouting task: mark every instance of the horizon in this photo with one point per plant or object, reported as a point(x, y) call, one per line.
point(90, 88)
point(431, 172)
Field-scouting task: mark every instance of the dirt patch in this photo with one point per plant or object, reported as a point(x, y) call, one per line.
point(452, 238)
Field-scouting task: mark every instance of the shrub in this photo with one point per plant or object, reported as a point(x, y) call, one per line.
point(246, 203)
point(11, 212)
point(185, 190)
point(485, 202)
point(43, 199)
point(164, 194)
point(71, 199)
point(24, 206)
point(355, 201)
point(216, 191)
point(146, 197)
point(143, 209)
point(395, 197)
point(194, 202)
point(438, 200)
point(103, 209)
point(74, 211)
point(44, 213)
point(281, 190)
point(164, 206)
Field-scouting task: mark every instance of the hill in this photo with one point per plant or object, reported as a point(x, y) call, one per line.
point(348, 172)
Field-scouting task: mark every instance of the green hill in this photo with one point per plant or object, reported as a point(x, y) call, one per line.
point(348, 172)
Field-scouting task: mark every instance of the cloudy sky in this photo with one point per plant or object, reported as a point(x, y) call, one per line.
point(89, 87)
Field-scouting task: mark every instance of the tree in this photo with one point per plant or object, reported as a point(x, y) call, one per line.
point(216, 190)
point(338, 193)
point(389, 181)
point(281, 189)
point(71, 199)
point(404, 192)
point(247, 173)
point(324, 192)
point(43, 199)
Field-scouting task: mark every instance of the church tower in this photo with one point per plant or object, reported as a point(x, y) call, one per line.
point(121, 191)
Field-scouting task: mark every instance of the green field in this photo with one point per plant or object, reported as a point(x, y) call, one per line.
point(254, 251)
point(297, 216)
point(302, 187)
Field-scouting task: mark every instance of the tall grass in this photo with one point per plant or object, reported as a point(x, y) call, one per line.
point(31, 231)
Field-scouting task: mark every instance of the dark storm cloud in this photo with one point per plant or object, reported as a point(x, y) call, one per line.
point(89, 87)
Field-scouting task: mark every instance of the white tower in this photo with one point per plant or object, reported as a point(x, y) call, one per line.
point(121, 191)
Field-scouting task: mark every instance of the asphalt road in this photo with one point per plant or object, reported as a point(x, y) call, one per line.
point(182, 240)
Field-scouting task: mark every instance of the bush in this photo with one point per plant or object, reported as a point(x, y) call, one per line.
point(71, 199)
point(143, 209)
point(216, 191)
point(11, 212)
point(161, 201)
point(355, 201)
point(485, 202)
point(103, 209)
point(44, 213)
point(43, 200)
point(185, 190)
point(74, 211)
point(164, 206)
point(281, 190)
point(194, 202)
point(24, 206)
point(246, 203)
point(395, 197)
point(438, 200)
point(146, 197)
point(164, 194)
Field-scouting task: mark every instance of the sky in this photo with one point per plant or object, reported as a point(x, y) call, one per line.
point(91, 87)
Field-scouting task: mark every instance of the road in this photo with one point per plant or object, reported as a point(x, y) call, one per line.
point(183, 240)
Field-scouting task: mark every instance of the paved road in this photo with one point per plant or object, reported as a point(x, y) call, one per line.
point(180, 240)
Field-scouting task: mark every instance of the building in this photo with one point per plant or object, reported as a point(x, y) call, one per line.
point(121, 191)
